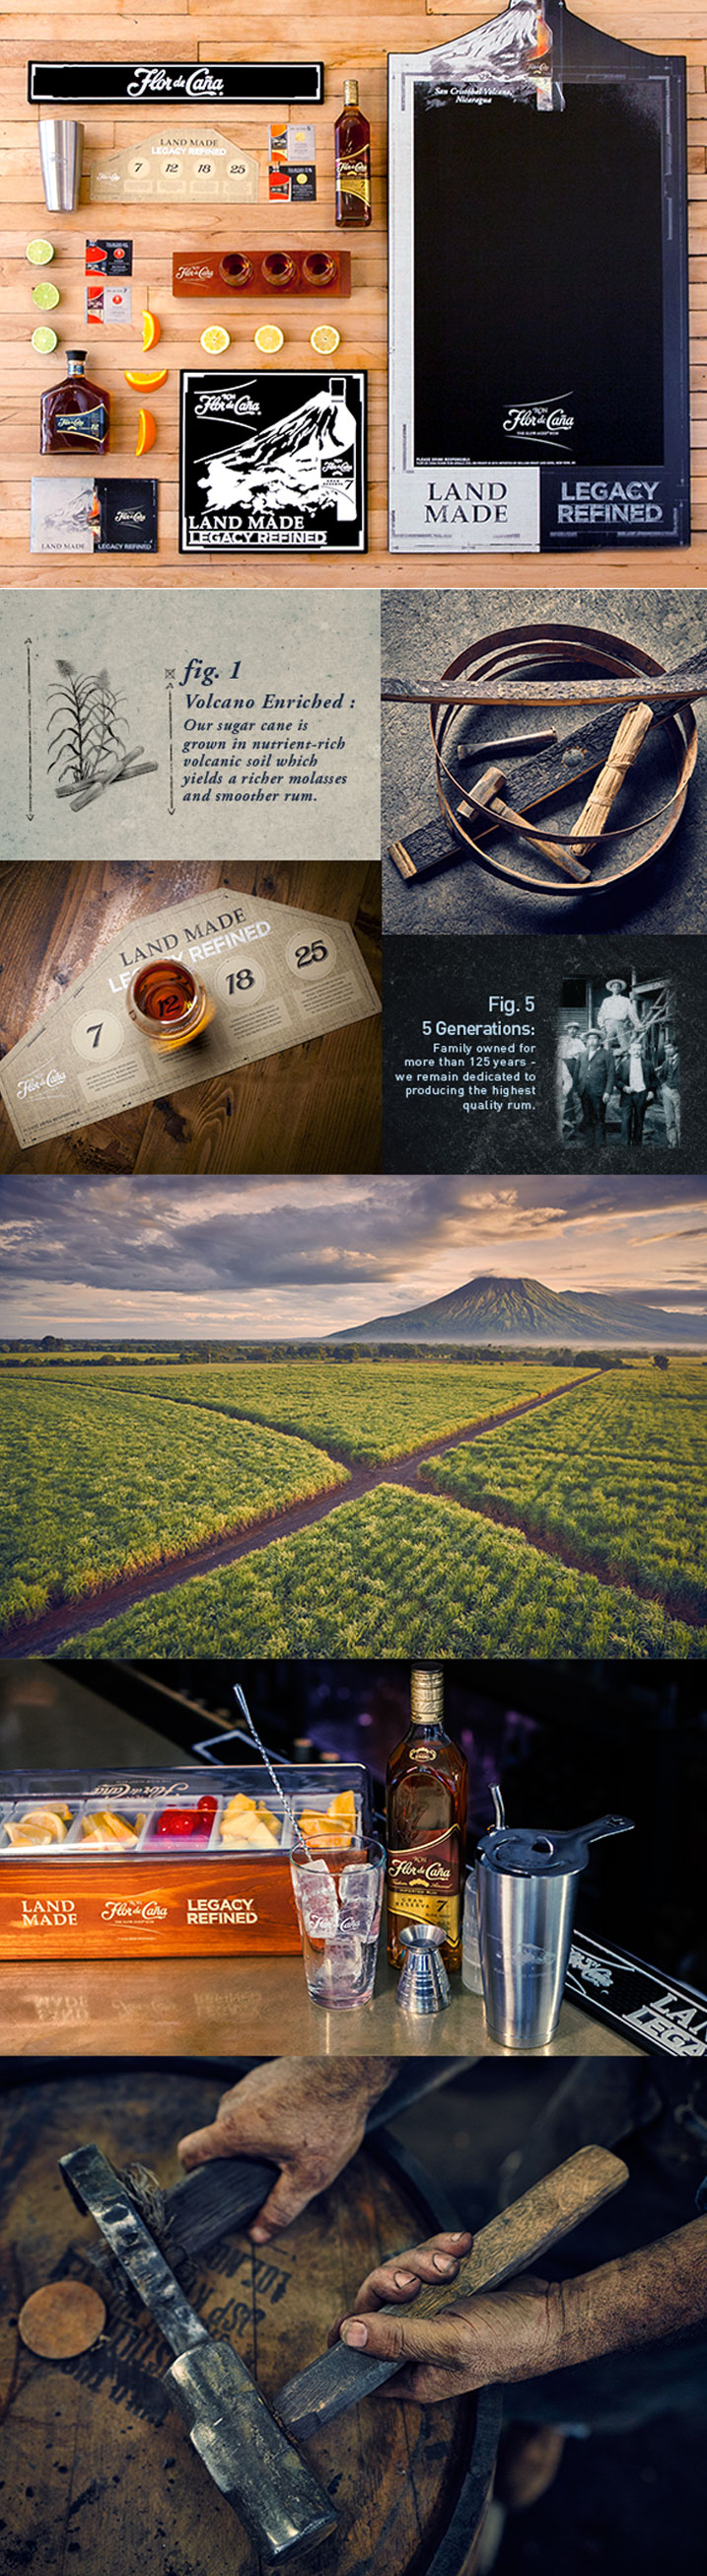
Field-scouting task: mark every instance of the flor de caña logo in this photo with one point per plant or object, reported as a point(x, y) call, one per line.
point(547, 420)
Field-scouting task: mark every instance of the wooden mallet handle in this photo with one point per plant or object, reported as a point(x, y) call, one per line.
point(621, 757)
point(516, 2238)
point(486, 799)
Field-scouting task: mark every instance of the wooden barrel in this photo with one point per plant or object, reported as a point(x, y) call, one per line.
point(98, 2469)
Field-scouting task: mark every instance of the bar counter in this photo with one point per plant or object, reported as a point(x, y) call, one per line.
point(244, 2007)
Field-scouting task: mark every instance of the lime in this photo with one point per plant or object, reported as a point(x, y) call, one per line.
point(325, 339)
point(45, 295)
point(215, 340)
point(40, 253)
point(268, 338)
point(44, 340)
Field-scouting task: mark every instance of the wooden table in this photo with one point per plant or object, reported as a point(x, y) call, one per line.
point(315, 1108)
point(355, 41)
point(243, 2008)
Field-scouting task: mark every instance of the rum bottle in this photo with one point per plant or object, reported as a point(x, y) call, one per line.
point(426, 1807)
point(352, 161)
point(75, 416)
point(537, 60)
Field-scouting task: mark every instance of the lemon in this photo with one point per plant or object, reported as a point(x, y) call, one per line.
point(45, 295)
point(268, 338)
point(44, 340)
point(325, 339)
point(215, 340)
point(40, 253)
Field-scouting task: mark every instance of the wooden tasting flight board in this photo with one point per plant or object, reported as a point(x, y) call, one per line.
point(357, 43)
point(95, 2454)
point(274, 975)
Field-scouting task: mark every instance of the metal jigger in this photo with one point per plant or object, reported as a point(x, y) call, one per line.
point(424, 1985)
point(60, 153)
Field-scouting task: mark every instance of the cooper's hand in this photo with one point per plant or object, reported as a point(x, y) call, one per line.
point(508, 2334)
point(308, 2119)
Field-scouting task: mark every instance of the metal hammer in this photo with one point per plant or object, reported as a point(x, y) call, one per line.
point(245, 2451)
point(517, 2237)
point(486, 799)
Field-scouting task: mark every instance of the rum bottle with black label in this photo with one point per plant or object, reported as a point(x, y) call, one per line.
point(352, 161)
point(426, 1804)
point(75, 416)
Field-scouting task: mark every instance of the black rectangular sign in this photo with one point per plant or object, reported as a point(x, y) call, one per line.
point(539, 339)
point(273, 459)
point(178, 84)
point(658, 2013)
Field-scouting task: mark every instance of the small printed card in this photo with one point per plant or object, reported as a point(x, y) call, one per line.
point(292, 176)
point(273, 975)
point(87, 514)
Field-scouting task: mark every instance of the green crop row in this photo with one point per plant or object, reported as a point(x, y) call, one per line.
point(99, 1483)
point(396, 1573)
point(616, 1475)
point(376, 1411)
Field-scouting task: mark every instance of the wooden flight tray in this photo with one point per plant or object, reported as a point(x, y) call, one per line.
point(182, 1895)
point(261, 272)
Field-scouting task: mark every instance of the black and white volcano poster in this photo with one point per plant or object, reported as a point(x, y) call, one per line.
point(273, 459)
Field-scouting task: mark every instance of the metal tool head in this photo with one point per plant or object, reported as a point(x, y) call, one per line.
point(424, 1985)
point(245, 2451)
point(248, 2456)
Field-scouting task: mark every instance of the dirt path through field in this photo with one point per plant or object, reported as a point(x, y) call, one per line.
point(46, 1634)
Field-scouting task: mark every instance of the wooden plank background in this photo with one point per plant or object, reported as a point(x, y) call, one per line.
point(356, 40)
point(315, 1108)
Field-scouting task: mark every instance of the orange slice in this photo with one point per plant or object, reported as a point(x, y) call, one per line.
point(145, 380)
point(343, 1808)
point(146, 433)
point(151, 330)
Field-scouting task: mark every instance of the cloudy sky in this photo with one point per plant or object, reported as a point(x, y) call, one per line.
point(265, 1258)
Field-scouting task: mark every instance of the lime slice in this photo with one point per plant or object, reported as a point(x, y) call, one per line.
point(40, 253)
point(325, 339)
point(44, 340)
point(45, 295)
point(268, 338)
point(215, 340)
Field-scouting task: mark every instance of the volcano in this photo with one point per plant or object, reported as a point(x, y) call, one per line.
point(489, 1309)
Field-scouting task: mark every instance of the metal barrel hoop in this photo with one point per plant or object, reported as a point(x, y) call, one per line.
point(536, 650)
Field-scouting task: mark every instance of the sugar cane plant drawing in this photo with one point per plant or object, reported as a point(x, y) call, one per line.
point(88, 737)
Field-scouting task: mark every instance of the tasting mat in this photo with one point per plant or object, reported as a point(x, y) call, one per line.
point(655, 2012)
point(300, 976)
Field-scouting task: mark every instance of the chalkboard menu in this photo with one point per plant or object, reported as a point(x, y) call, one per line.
point(539, 325)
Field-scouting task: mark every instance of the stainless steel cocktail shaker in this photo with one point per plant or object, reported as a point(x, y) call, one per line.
point(526, 1887)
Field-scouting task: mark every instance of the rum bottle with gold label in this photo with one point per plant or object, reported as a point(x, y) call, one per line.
point(426, 1804)
point(75, 416)
point(352, 161)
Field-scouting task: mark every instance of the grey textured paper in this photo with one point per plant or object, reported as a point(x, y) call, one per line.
point(275, 976)
point(241, 725)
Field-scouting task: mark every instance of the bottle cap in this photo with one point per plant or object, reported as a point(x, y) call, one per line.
point(76, 353)
point(426, 1696)
point(351, 93)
